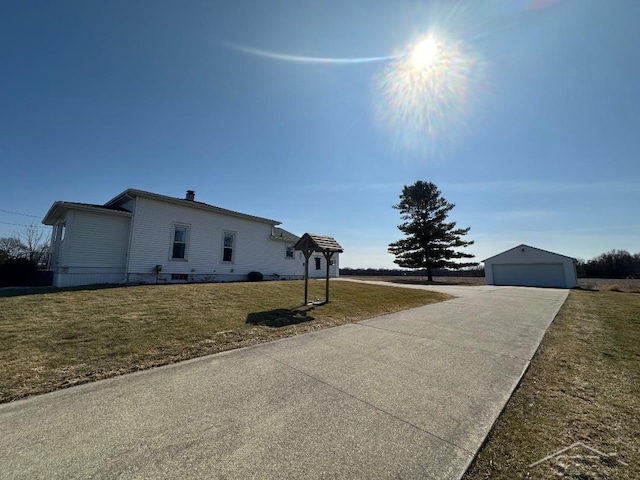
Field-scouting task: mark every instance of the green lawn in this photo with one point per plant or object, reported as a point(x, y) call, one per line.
point(61, 338)
point(583, 385)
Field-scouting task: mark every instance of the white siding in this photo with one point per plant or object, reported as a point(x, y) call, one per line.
point(77, 278)
point(322, 272)
point(94, 249)
point(254, 247)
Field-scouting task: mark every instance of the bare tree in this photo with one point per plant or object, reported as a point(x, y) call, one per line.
point(31, 244)
point(12, 247)
point(36, 244)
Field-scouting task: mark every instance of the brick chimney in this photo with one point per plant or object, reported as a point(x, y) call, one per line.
point(191, 195)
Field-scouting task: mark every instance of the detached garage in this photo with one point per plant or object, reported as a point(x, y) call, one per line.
point(531, 267)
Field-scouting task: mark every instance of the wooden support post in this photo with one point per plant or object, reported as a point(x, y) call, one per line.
point(327, 257)
point(307, 255)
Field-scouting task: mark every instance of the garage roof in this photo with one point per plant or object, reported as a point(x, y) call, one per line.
point(522, 245)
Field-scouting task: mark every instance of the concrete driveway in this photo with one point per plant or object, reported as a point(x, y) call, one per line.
point(407, 395)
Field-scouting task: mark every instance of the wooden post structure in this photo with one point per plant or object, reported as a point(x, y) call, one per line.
point(310, 243)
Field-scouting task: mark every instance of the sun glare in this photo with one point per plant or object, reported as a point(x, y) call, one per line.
point(423, 94)
point(425, 54)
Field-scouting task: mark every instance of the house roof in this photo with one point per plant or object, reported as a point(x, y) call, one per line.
point(132, 192)
point(522, 245)
point(318, 243)
point(282, 234)
point(58, 208)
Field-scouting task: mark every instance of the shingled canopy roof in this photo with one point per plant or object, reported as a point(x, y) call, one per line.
point(313, 242)
point(318, 243)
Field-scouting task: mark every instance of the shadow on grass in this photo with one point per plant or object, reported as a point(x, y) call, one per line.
point(281, 317)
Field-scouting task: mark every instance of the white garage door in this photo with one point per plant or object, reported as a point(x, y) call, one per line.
point(531, 275)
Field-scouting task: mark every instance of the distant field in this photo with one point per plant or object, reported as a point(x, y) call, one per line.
point(422, 280)
point(609, 284)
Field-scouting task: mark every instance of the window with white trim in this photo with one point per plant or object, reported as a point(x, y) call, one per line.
point(228, 246)
point(290, 252)
point(179, 242)
point(63, 229)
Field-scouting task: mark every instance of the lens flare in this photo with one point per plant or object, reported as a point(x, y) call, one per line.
point(425, 53)
point(422, 95)
point(303, 58)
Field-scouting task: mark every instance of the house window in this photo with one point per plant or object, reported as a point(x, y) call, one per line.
point(179, 276)
point(290, 252)
point(179, 242)
point(228, 246)
point(317, 263)
point(62, 227)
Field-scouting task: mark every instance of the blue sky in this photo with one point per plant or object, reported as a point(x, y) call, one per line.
point(530, 123)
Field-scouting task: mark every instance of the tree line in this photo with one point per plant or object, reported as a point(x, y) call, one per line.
point(22, 255)
point(613, 264)
point(396, 272)
point(30, 244)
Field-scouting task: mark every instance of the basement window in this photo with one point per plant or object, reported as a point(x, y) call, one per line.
point(179, 276)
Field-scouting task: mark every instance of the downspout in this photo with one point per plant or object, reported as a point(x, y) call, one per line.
point(132, 222)
point(54, 232)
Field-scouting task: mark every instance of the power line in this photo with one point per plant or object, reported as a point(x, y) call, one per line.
point(23, 225)
point(23, 214)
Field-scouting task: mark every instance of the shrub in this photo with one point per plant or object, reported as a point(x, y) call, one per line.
point(16, 272)
point(255, 276)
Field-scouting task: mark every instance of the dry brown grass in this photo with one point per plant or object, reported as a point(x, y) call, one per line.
point(583, 385)
point(628, 285)
point(62, 338)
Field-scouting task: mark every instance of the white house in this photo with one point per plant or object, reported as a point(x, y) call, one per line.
point(531, 267)
point(144, 237)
